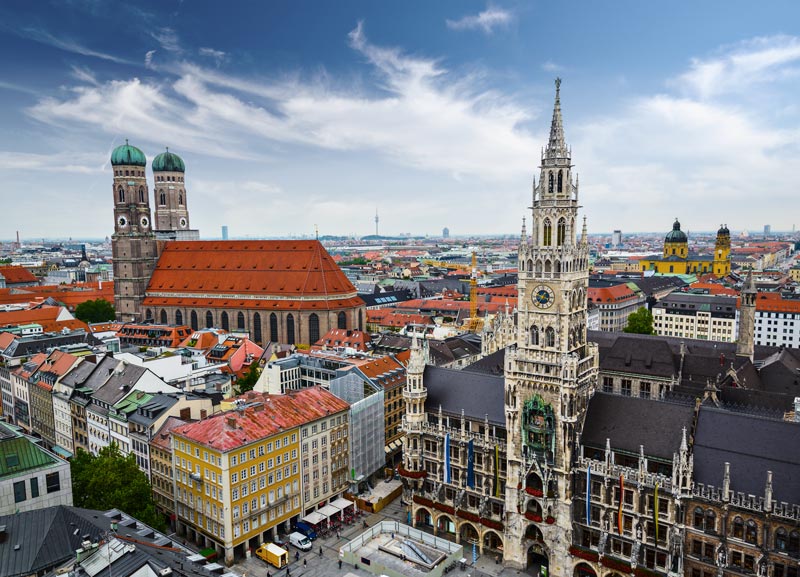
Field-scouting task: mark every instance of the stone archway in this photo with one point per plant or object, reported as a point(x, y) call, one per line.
point(468, 534)
point(493, 543)
point(538, 562)
point(584, 570)
point(423, 518)
point(444, 524)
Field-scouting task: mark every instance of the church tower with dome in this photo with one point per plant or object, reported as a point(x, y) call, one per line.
point(171, 203)
point(133, 243)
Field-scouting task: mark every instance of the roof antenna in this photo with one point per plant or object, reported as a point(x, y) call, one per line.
point(316, 231)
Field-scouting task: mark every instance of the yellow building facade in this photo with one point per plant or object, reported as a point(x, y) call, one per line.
point(238, 474)
point(676, 258)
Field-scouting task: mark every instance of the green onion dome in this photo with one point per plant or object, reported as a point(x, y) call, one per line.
point(128, 155)
point(168, 162)
point(676, 234)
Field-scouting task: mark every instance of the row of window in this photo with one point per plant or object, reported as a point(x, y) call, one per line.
point(52, 485)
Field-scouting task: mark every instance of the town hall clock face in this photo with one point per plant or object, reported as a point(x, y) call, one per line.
point(543, 296)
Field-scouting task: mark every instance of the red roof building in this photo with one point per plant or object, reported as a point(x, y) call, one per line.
point(16, 276)
point(263, 416)
point(279, 291)
point(345, 338)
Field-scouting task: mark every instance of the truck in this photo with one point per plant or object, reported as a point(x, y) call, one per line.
point(274, 555)
point(306, 529)
point(300, 541)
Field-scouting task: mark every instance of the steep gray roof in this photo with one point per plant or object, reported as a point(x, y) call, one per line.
point(476, 393)
point(630, 422)
point(119, 383)
point(752, 445)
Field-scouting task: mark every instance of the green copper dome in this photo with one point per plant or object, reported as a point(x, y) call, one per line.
point(168, 162)
point(128, 155)
point(676, 234)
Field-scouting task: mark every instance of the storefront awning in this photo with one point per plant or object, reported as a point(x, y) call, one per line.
point(328, 511)
point(314, 518)
point(342, 503)
point(62, 452)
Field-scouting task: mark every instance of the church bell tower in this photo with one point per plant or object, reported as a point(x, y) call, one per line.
point(551, 374)
point(133, 242)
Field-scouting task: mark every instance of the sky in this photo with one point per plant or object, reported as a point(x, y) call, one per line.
point(292, 115)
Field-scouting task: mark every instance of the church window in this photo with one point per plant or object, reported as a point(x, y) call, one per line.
point(780, 539)
point(751, 532)
point(224, 321)
point(341, 320)
point(162, 198)
point(240, 321)
point(121, 194)
point(313, 328)
point(534, 335)
point(547, 229)
point(549, 337)
point(737, 531)
point(360, 320)
point(560, 180)
point(178, 318)
point(550, 183)
point(148, 315)
point(163, 317)
point(180, 199)
point(538, 268)
point(193, 321)
point(273, 328)
point(547, 267)
point(562, 231)
point(142, 197)
point(209, 319)
point(711, 521)
point(257, 327)
point(290, 329)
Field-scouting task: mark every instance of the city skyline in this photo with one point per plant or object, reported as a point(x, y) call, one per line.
point(295, 121)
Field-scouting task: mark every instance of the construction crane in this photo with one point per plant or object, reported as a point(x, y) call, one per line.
point(475, 323)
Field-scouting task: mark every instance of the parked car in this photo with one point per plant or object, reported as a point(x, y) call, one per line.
point(300, 541)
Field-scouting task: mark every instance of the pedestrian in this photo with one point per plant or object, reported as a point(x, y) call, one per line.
point(305, 562)
point(338, 534)
point(297, 556)
point(320, 551)
point(340, 563)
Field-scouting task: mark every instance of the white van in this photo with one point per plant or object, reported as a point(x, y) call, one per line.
point(300, 541)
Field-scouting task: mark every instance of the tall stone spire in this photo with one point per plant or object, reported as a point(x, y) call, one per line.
point(745, 343)
point(556, 146)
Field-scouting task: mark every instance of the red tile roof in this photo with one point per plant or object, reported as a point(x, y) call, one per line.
point(268, 416)
point(610, 294)
point(162, 437)
point(345, 338)
point(257, 268)
point(45, 316)
point(17, 275)
point(773, 302)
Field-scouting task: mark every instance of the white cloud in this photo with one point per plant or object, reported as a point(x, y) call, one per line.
point(44, 37)
point(218, 56)
point(749, 65)
point(485, 21)
point(167, 39)
point(423, 117)
point(148, 58)
point(59, 162)
point(702, 154)
point(83, 74)
point(550, 66)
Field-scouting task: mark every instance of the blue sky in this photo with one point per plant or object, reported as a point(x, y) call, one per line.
point(295, 114)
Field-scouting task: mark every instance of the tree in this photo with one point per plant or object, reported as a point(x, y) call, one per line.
point(111, 480)
point(96, 311)
point(640, 322)
point(249, 380)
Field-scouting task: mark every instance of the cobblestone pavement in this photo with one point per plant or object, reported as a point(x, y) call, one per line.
point(312, 564)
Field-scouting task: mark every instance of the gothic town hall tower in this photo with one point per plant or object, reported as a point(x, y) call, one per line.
point(551, 373)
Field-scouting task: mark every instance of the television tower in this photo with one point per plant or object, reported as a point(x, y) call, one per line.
point(376, 221)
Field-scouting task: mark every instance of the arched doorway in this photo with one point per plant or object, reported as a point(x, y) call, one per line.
point(444, 524)
point(583, 570)
point(492, 544)
point(423, 518)
point(468, 534)
point(538, 563)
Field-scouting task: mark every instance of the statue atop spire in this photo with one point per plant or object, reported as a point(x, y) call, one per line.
point(556, 146)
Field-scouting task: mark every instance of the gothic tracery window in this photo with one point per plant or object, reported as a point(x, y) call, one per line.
point(142, 197)
point(561, 233)
point(560, 180)
point(162, 198)
point(534, 335)
point(121, 194)
point(549, 337)
point(550, 183)
point(547, 229)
